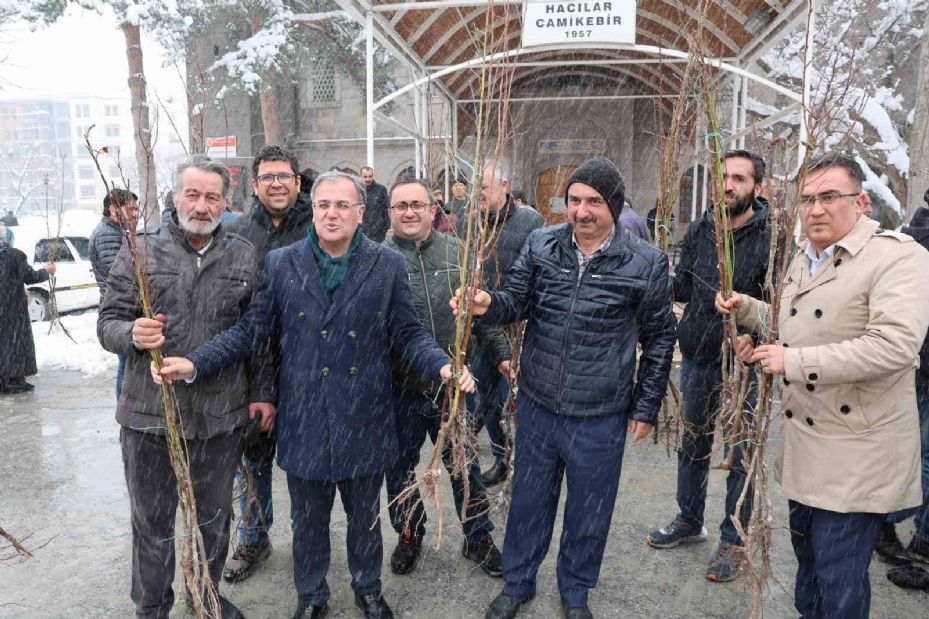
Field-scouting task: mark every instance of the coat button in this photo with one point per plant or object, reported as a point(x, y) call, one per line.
point(352, 335)
point(838, 261)
point(845, 409)
point(324, 334)
point(785, 345)
point(786, 382)
point(325, 372)
point(818, 313)
point(301, 315)
point(788, 413)
point(813, 376)
point(793, 311)
point(809, 421)
point(810, 387)
point(353, 370)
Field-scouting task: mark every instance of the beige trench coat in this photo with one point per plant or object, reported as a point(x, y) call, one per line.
point(848, 407)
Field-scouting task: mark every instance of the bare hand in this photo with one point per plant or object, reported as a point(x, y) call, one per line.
point(51, 268)
point(465, 381)
point(480, 302)
point(266, 410)
point(724, 306)
point(744, 347)
point(505, 367)
point(771, 358)
point(174, 368)
point(147, 333)
point(639, 430)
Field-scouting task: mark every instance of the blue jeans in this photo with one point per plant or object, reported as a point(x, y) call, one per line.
point(492, 392)
point(833, 553)
point(120, 373)
point(417, 416)
point(701, 385)
point(260, 514)
point(921, 513)
point(589, 450)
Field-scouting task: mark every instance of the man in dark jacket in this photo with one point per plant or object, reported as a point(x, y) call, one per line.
point(432, 261)
point(120, 214)
point(341, 303)
point(590, 293)
point(508, 228)
point(700, 336)
point(17, 351)
point(202, 281)
point(279, 216)
point(376, 222)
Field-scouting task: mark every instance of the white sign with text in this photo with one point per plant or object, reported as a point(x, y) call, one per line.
point(547, 22)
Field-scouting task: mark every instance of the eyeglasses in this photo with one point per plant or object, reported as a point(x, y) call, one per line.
point(283, 178)
point(826, 198)
point(341, 206)
point(402, 207)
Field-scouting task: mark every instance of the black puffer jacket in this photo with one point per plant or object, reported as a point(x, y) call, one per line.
point(256, 226)
point(435, 273)
point(919, 230)
point(696, 280)
point(376, 221)
point(579, 353)
point(105, 241)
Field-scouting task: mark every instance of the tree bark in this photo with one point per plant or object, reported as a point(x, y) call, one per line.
point(141, 125)
point(270, 107)
point(919, 133)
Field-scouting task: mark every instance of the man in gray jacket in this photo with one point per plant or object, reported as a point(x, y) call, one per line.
point(203, 279)
point(432, 261)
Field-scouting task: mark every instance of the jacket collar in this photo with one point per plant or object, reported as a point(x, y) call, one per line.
point(620, 245)
point(179, 235)
point(854, 241)
point(409, 244)
point(292, 218)
point(758, 220)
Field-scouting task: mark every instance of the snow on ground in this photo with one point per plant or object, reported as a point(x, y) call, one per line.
point(54, 351)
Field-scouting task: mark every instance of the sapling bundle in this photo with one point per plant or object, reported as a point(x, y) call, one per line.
point(54, 246)
point(189, 540)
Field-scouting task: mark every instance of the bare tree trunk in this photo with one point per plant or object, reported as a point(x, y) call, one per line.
point(270, 107)
point(142, 128)
point(919, 133)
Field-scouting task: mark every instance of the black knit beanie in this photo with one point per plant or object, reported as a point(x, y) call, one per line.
point(926, 197)
point(602, 175)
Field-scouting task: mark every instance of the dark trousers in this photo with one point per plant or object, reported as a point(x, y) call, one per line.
point(153, 506)
point(418, 416)
point(833, 551)
point(701, 385)
point(590, 451)
point(310, 510)
point(921, 513)
point(492, 392)
point(257, 517)
point(120, 373)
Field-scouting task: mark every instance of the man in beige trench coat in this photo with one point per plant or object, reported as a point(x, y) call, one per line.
point(854, 313)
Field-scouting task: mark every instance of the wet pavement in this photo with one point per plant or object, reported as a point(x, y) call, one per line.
point(61, 481)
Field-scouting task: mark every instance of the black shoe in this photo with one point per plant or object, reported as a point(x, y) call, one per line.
point(918, 551)
point(496, 474)
point(505, 607)
point(726, 564)
point(676, 533)
point(485, 554)
point(306, 610)
point(244, 561)
point(17, 385)
point(227, 609)
point(403, 559)
point(374, 605)
point(909, 577)
point(888, 548)
point(576, 612)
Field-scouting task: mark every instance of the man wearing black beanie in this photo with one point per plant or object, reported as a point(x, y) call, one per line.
point(590, 292)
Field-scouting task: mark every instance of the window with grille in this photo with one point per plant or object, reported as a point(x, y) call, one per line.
point(112, 131)
point(323, 81)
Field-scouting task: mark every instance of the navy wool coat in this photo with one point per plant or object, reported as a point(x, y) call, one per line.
point(334, 415)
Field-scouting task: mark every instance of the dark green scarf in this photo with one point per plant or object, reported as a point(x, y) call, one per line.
point(332, 270)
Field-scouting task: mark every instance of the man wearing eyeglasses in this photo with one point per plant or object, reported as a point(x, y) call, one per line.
point(432, 262)
point(279, 216)
point(340, 304)
point(853, 315)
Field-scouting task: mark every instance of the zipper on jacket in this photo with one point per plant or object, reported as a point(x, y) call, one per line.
point(422, 271)
point(564, 340)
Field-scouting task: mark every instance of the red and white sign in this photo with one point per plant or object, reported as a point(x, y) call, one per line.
point(221, 148)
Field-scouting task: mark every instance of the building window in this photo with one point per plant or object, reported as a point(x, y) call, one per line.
point(111, 109)
point(88, 192)
point(82, 110)
point(112, 131)
point(323, 81)
point(85, 172)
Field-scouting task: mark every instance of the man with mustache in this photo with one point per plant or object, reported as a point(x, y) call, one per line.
point(700, 336)
point(590, 293)
point(202, 279)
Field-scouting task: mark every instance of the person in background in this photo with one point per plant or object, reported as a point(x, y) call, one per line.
point(519, 197)
point(633, 222)
point(458, 205)
point(376, 223)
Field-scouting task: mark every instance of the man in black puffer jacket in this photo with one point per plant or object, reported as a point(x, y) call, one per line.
point(280, 216)
point(590, 292)
point(700, 336)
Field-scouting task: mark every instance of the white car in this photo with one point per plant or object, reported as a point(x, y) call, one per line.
point(75, 285)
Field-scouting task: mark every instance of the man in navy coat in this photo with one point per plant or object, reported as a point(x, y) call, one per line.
point(339, 303)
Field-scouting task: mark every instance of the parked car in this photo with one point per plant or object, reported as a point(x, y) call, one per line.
point(75, 285)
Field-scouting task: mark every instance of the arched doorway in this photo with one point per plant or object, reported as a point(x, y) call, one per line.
point(550, 193)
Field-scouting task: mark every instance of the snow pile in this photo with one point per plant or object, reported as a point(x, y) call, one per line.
point(54, 351)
